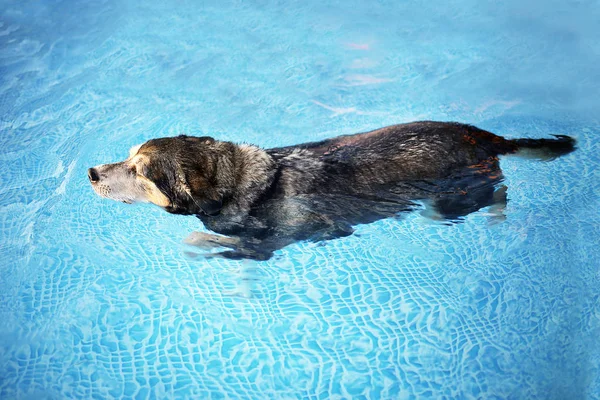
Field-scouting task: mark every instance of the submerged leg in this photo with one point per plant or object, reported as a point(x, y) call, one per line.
point(472, 189)
point(209, 241)
point(241, 254)
point(500, 201)
point(457, 205)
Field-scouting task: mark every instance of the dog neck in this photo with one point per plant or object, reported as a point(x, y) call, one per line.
point(254, 172)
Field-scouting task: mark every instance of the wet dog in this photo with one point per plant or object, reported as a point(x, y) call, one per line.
point(263, 200)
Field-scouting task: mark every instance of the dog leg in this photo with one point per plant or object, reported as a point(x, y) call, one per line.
point(242, 254)
point(209, 241)
point(497, 209)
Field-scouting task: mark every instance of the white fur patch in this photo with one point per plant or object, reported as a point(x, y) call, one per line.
point(133, 151)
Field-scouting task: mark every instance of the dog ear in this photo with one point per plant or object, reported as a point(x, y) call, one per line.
point(204, 193)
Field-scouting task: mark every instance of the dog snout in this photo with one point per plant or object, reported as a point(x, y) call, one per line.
point(93, 175)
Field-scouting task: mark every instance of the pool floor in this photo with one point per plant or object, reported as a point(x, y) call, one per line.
point(103, 300)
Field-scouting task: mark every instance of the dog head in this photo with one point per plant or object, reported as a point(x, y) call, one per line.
point(179, 174)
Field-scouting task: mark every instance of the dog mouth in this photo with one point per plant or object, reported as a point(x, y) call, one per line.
point(106, 192)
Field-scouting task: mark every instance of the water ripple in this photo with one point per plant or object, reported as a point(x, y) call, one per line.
point(102, 300)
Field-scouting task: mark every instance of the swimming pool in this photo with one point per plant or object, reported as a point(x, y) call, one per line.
point(102, 300)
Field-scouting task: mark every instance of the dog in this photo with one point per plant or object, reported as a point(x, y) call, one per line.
point(261, 200)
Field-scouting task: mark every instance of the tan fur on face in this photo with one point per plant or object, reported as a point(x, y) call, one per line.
point(152, 193)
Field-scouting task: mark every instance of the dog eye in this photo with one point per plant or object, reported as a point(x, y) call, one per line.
point(133, 168)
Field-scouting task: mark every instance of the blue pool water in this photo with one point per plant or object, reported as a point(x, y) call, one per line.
point(102, 300)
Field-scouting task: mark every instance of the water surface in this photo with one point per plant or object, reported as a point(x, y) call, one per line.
point(101, 300)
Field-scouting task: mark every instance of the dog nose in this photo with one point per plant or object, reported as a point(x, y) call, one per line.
point(93, 175)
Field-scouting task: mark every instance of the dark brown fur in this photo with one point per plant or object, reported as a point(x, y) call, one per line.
point(267, 199)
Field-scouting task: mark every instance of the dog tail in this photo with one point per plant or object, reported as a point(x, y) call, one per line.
point(544, 149)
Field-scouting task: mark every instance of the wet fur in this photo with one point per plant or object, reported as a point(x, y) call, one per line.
point(267, 199)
